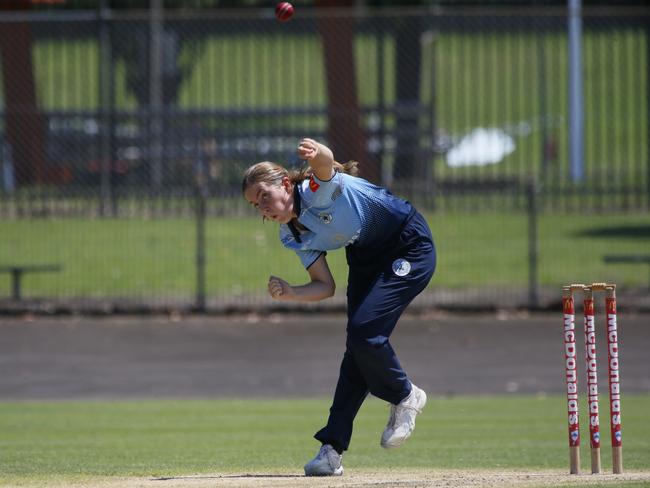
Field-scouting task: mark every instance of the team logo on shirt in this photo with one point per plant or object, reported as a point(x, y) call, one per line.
point(326, 218)
point(313, 186)
point(401, 267)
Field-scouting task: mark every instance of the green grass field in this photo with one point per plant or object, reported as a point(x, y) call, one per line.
point(515, 80)
point(136, 257)
point(77, 440)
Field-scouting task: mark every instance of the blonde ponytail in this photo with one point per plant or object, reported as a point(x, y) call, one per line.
point(351, 168)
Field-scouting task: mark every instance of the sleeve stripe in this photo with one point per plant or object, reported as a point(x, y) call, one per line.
point(318, 180)
point(319, 255)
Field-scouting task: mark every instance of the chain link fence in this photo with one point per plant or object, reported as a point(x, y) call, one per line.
point(124, 135)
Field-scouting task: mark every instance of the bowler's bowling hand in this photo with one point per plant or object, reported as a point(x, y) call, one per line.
point(307, 149)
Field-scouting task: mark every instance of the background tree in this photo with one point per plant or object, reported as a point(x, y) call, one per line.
point(345, 134)
point(24, 130)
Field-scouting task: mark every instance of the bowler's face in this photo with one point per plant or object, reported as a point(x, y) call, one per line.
point(274, 201)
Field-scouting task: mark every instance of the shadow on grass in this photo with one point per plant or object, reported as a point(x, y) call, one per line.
point(619, 231)
point(227, 476)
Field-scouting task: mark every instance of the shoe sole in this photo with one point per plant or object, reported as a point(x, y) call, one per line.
point(337, 472)
point(393, 445)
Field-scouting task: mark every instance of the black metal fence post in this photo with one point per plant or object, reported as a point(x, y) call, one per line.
point(532, 190)
point(106, 107)
point(201, 200)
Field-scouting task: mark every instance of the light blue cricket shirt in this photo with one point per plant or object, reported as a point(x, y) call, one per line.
point(343, 211)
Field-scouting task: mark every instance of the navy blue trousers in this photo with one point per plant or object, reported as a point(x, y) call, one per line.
point(381, 284)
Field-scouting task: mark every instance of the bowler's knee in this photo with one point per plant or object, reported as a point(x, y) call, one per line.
point(360, 338)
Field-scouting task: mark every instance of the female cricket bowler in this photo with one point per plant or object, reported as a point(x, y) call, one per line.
point(391, 258)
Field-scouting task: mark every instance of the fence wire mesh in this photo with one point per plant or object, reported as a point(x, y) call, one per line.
point(124, 134)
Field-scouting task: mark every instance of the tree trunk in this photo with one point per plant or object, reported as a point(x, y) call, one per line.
point(345, 132)
point(25, 130)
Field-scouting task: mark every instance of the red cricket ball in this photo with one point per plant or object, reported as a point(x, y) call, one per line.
point(283, 11)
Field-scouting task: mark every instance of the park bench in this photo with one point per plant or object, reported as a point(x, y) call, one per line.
point(17, 271)
point(629, 259)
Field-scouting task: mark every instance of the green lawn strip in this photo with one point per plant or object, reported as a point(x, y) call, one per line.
point(234, 71)
point(163, 438)
point(156, 257)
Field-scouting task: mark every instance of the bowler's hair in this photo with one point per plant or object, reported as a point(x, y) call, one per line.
point(273, 173)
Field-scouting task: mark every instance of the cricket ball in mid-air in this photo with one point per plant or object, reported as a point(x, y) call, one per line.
point(283, 11)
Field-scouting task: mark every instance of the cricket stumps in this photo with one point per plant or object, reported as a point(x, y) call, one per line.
point(591, 363)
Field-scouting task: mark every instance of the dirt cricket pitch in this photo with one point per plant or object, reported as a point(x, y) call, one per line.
point(415, 478)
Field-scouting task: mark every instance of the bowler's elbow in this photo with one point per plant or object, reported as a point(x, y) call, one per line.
point(331, 289)
point(327, 289)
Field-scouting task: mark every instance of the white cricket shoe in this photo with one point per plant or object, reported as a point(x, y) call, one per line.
point(326, 463)
point(401, 421)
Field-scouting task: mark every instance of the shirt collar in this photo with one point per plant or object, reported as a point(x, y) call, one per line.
point(297, 203)
point(297, 200)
